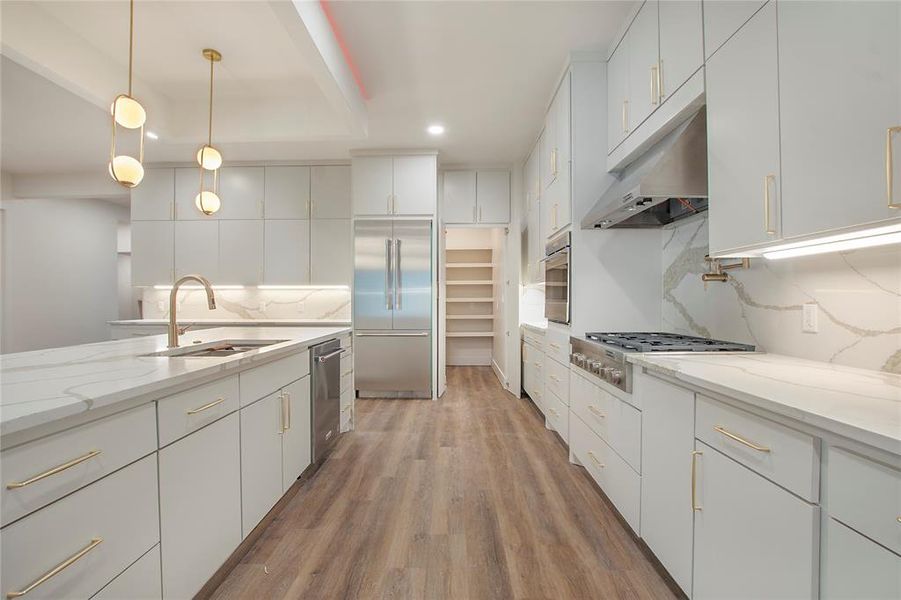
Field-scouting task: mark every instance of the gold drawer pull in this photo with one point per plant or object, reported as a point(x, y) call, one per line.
point(694, 479)
point(346, 373)
point(347, 408)
point(596, 411)
point(770, 230)
point(889, 167)
point(596, 460)
point(554, 378)
point(740, 439)
point(53, 471)
point(557, 346)
point(194, 411)
point(57, 569)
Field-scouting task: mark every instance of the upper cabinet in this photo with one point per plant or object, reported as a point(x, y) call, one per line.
point(556, 148)
point(330, 192)
point(395, 185)
point(154, 199)
point(241, 190)
point(839, 93)
point(287, 193)
point(744, 180)
point(801, 104)
point(532, 189)
point(722, 18)
point(661, 51)
point(472, 197)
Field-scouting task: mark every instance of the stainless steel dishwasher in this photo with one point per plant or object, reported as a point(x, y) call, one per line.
point(326, 404)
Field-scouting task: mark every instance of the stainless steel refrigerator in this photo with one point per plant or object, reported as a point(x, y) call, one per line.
point(393, 308)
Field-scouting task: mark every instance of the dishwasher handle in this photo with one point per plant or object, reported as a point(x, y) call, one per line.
point(330, 355)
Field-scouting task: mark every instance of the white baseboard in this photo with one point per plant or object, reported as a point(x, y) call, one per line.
point(500, 374)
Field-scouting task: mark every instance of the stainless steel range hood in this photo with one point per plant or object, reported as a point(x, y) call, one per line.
point(668, 182)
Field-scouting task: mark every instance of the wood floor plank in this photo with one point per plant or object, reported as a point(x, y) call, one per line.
point(469, 497)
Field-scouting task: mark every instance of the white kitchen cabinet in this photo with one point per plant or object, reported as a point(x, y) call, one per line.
point(240, 252)
point(287, 193)
point(618, 95)
point(297, 443)
point(200, 505)
point(152, 247)
point(187, 186)
point(752, 539)
point(197, 249)
point(561, 188)
point(241, 190)
point(855, 567)
point(330, 196)
point(331, 251)
point(644, 53)
point(399, 185)
point(839, 91)
point(459, 197)
point(415, 184)
point(373, 184)
point(140, 581)
point(532, 187)
point(262, 428)
point(286, 254)
point(154, 198)
point(493, 195)
point(667, 442)
point(681, 43)
point(722, 18)
point(743, 138)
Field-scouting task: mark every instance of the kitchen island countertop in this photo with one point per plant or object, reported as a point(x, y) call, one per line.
point(43, 386)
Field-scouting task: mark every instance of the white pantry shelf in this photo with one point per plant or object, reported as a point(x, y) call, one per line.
point(469, 299)
point(470, 265)
point(469, 317)
point(470, 282)
point(470, 334)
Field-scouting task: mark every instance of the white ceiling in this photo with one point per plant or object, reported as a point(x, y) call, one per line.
point(483, 69)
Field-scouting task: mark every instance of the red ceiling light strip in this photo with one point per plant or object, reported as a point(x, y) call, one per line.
point(326, 8)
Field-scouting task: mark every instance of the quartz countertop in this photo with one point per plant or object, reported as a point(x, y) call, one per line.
point(855, 403)
point(536, 327)
point(43, 386)
point(236, 322)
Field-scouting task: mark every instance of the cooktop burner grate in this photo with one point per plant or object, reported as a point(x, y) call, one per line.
point(665, 342)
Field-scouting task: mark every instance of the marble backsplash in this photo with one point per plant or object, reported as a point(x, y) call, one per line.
point(252, 303)
point(858, 294)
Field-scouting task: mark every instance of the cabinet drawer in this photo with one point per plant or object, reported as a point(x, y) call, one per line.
point(188, 411)
point(783, 455)
point(531, 337)
point(557, 379)
point(855, 567)
point(616, 422)
point(619, 482)
point(864, 495)
point(557, 413)
point(93, 450)
point(110, 524)
point(140, 581)
point(262, 381)
point(557, 345)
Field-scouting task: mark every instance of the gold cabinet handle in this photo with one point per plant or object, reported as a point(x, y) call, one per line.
point(694, 479)
point(200, 409)
point(740, 439)
point(596, 411)
point(889, 164)
point(625, 116)
point(655, 95)
point(595, 459)
point(554, 162)
point(57, 569)
point(766, 204)
point(284, 413)
point(57, 469)
point(554, 378)
point(660, 94)
point(555, 346)
point(288, 404)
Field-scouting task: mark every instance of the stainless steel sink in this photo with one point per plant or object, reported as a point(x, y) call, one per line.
point(216, 349)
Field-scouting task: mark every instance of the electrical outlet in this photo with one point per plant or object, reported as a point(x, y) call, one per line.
point(160, 305)
point(809, 314)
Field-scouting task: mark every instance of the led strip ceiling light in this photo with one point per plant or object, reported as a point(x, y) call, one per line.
point(209, 159)
point(128, 113)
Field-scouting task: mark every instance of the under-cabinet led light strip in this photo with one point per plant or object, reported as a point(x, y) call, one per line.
point(870, 238)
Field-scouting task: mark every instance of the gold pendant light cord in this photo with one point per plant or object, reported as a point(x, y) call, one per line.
point(131, 43)
point(210, 136)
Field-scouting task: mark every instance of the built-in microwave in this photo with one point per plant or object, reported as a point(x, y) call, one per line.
point(556, 279)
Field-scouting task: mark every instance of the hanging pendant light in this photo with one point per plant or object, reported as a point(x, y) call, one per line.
point(127, 112)
point(209, 159)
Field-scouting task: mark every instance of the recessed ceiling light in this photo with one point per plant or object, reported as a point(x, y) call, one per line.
point(435, 129)
point(152, 135)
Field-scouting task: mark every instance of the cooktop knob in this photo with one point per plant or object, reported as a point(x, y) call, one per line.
point(616, 376)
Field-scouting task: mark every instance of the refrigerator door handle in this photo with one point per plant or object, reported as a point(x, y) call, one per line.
point(392, 334)
point(398, 280)
point(388, 276)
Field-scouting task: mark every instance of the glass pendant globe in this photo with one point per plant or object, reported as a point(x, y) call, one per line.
point(209, 158)
point(126, 170)
point(128, 112)
point(207, 202)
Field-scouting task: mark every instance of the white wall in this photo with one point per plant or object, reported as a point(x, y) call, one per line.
point(60, 281)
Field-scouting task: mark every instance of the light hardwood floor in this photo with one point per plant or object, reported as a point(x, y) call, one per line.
point(467, 497)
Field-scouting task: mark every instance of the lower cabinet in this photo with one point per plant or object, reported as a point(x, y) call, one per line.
point(275, 449)
point(140, 581)
point(752, 538)
point(854, 567)
point(200, 505)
